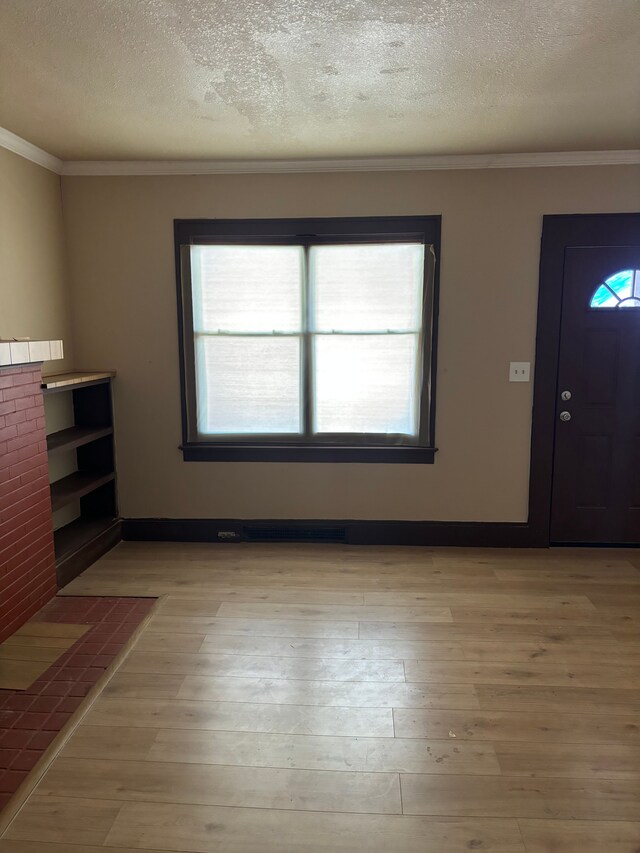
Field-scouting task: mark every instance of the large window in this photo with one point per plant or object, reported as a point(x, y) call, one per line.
point(308, 339)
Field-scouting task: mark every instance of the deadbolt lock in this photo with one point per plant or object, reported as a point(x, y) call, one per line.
point(566, 395)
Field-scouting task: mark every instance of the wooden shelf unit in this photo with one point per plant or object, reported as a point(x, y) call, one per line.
point(76, 486)
point(72, 437)
point(93, 484)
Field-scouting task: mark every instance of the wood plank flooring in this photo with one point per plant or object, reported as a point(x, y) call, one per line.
point(307, 699)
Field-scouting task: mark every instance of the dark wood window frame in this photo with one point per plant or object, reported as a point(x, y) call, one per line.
point(425, 229)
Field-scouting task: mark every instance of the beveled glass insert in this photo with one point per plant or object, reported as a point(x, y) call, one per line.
point(621, 290)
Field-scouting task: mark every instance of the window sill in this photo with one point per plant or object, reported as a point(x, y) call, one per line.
point(203, 452)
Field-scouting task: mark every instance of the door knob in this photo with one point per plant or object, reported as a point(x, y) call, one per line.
point(565, 416)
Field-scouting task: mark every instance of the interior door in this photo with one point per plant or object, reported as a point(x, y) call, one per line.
point(596, 470)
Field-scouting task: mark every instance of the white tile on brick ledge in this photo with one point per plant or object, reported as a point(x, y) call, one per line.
point(5, 354)
point(19, 352)
point(39, 350)
point(56, 350)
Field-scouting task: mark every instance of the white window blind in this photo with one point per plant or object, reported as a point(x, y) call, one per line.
point(366, 316)
point(314, 342)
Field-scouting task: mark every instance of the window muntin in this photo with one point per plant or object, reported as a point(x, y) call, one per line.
point(621, 290)
point(309, 423)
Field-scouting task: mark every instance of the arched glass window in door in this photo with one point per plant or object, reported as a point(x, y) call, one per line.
point(621, 290)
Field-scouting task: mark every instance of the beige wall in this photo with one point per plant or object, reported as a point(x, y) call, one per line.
point(121, 253)
point(34, 298)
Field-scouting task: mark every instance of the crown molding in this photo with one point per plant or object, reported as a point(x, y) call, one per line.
point(364, 164)
point(31, 152)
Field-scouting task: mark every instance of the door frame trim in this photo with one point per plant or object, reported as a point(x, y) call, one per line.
point(559, 232)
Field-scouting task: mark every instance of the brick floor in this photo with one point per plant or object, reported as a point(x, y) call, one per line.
point(30, 719)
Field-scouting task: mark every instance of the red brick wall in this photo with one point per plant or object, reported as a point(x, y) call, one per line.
point(27, 562)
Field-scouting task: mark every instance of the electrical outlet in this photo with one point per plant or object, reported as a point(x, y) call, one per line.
point(519, 371)
point(228, 534)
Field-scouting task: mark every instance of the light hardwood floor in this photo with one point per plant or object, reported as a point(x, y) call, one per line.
point(307, 699)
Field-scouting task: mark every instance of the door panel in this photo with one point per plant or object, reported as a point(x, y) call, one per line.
point(592, 490)
point(596, 473)
point(600, 362)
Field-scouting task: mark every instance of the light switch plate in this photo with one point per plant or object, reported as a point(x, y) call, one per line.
point(519, 371)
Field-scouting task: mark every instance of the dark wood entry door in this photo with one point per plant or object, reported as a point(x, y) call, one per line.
point(596, 466)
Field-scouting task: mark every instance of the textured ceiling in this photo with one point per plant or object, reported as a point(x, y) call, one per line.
point(162, 79)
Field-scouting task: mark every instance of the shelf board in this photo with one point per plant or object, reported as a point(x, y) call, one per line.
point(75, 535)
point(76, 486)
point(69, 439)
point(75, 379)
